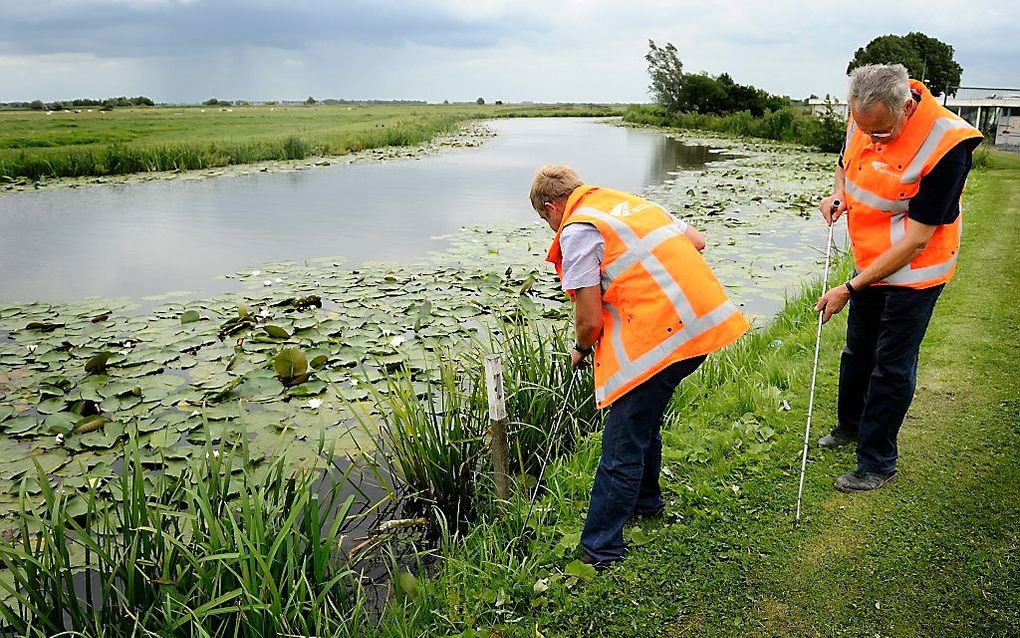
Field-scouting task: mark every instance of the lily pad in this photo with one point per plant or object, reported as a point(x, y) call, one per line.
point(190, 316)
point(291, 366)
point(97, 364)
point(276, 332)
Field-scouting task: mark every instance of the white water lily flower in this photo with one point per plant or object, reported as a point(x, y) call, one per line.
point(396, 341)
point(31, 348)
point(279, 280)
point(124, 353)
point(60, 439)
point(265, 313)
point(127, 344)
point(314, 403)
point(354, 381)
point(256, 273)
point(267, 283)
point(195, 413)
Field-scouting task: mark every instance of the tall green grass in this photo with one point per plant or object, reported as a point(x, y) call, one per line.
point(220, 550)
point(435, 435)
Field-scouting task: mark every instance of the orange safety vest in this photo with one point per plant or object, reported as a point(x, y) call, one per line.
point(881, 179)
point(660, 301)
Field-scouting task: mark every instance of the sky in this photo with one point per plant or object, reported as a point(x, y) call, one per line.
point(459, 50)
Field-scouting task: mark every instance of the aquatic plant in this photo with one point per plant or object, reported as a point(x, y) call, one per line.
point(224, 549)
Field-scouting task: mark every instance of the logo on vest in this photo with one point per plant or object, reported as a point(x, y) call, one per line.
point(623, 209)
point(882, 167)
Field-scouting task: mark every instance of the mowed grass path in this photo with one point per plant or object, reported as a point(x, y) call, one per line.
point(35, 144)
point(937, 554)
point(934, 554)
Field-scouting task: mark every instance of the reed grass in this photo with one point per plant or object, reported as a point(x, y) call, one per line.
point(220, 550)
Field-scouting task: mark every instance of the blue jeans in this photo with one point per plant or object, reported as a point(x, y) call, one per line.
point(878, 368)
point(627, 481)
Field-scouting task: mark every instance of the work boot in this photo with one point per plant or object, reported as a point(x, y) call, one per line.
point(599, 565)
point(835, 439)
point(862, 481)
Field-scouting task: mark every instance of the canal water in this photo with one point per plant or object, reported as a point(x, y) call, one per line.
point(150, 238)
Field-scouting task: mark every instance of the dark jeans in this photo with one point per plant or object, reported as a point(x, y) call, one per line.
point(878, 369)
point(627, 481)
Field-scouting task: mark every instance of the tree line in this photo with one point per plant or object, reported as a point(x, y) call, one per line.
point(107, 104)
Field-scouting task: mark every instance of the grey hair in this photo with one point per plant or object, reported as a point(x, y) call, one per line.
point(888, 84)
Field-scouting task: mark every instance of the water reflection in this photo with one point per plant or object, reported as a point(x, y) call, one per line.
point(150, 238)
point(673, 155)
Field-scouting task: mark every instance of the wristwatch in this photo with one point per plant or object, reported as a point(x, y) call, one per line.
point(584, 352)
point(850, 289)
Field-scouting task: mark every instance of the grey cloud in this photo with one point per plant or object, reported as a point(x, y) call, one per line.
point(149, 29)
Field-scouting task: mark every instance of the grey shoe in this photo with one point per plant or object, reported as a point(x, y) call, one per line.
point(835, 439)
point(862, 481)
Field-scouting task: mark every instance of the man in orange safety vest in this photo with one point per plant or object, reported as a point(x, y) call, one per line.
point(649, 307)
point(899, 179)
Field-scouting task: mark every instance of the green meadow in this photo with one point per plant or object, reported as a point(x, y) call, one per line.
point(90, 142)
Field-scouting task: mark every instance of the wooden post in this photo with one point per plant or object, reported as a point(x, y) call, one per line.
point(497, 425)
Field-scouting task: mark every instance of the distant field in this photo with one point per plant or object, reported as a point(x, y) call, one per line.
point(34, 144)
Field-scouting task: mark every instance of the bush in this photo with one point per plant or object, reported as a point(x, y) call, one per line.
point(788, 124)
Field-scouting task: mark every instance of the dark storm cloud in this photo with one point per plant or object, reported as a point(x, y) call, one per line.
point(140, 29)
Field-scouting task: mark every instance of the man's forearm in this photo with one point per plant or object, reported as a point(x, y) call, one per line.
point(588, 316)
point(839, 182)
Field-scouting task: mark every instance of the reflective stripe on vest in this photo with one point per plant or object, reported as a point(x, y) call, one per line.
point(873, 200)
point(942, 126)
point(639, 251)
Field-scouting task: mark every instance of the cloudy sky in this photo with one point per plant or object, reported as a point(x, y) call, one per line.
point(572, 50)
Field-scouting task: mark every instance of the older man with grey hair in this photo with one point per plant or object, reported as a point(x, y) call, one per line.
point(899, 179)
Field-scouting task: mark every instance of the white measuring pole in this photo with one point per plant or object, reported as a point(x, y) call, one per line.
point(814, 371)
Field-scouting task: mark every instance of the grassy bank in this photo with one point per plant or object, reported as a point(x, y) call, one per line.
point(932, 555)
point(90, 142)
point(788, 124)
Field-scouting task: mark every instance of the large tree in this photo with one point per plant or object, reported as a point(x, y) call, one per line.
point(667, 74)
point(926, 59)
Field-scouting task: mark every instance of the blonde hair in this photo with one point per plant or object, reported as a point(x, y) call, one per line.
point(552, 182)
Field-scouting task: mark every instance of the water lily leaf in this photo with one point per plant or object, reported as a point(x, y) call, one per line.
point(308, 389)
point(51, 406)
point(276, 332)
point(579, 570)
point(61, 422)
point(258, 388)
point(97, 364)
point(162, 439)
point(101, 439)
point(319, 361)
point(5, 412)
point(21, 424)
point(291, 366)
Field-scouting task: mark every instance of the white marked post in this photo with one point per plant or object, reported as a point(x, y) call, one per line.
point(497, 425)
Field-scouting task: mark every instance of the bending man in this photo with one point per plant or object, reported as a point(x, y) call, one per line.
point(650, 308)
point(899, 179)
